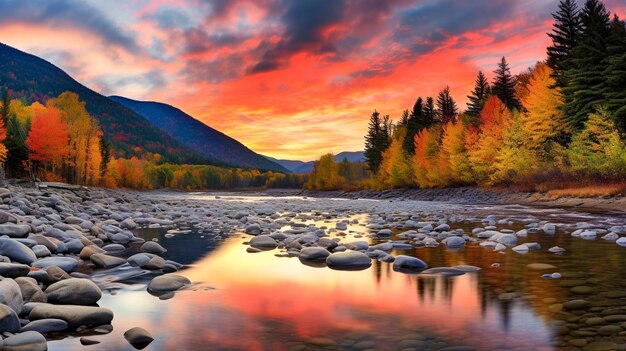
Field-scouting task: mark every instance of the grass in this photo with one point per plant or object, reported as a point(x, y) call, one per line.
point(581, 189)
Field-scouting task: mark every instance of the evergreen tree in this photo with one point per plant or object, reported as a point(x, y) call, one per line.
point(446, 107)
point(416, 122)
point(6, 106)
point(504, 85)
point(478, 96)
point(376, 140)
point(615, 75)
point(105, 152)
point(17, 132)
point(586, 81)
point(565, 32)
point(404, 120)
point(429, 111)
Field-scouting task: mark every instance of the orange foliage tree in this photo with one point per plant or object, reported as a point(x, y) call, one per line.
point(395, 170)
point(47, 139)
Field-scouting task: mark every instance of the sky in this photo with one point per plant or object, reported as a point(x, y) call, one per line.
point(288, 78)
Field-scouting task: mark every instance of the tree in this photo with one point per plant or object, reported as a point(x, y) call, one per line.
point(430, 113)
point(417, 121)
point(5, 109)
point(504, 85)
point(564, 35)
point(543, 121)
point(585, 79)
point(48, 139)
point(374, 145)
point(425, 160)
point(446, 107)
point(105, 154)
point(478, 96)
point(395, 170)
point(494, 120)
point(615, 75)
point(325, 175)
point(454, 153)
point(597, 149)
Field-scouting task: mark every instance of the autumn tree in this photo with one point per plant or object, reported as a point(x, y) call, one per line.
point(47, 141)
point(325, 175)
point(395, 170)
point(543, 121)
point(418, 119)
point(446, 106)
point(425, 160)
point(478, 95)
point(454, 154)
point(504, 85)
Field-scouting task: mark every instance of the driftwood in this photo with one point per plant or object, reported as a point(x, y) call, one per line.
point(58, 185)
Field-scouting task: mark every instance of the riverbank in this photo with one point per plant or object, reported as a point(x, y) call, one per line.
point(469, 195)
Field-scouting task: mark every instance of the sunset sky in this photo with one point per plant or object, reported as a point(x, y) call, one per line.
point(288, 78)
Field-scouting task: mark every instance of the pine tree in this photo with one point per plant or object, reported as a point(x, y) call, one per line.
point(105, 152)
point(404, 120)
point(586, 81)
point(504, 85)
point(446, 107)
point(416, 122)
point(429, 111)
point(565, 32)
point(615, 75)
point(376, 140)
point(478, 96)
point(5, 109)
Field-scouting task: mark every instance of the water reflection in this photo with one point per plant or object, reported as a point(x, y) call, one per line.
point(262, 302)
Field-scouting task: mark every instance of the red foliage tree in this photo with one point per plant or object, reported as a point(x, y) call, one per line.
point(48, 137)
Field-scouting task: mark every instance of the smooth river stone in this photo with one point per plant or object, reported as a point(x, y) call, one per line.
point(138, 337)
point(15, 230)
point(106, 261)
point(263, 242)
point(27, 341)
point(313, 254)
point(9, 322)
point(408, 264)
point(74, 291)
point(353, 260)
point(67, 264)
point(167, 283)
point(75, 316)
point(16, 251)
point(13, 270)
point(45, 326)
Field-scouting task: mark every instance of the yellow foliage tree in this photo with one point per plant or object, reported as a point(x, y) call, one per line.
point(395, 170)
point(454, 154)
point(325, 174)
point(426, 166)
point(543, 122)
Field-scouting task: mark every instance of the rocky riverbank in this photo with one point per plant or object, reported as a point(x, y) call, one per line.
point(60, 247)
point(468, 195)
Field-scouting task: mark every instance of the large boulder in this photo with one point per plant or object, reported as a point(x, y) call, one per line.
point(13, 270)
point(16, 251)
point(74, 291)
point(31, 292)
point(75, 316)
point(314, 254)
point(353, 260)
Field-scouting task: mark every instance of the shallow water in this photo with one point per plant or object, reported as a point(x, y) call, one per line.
point(259, 301)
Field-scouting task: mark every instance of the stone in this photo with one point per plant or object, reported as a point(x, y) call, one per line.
point(600, 346)
point(68, 264)
point(583, 290)
point(55, 274)
point(26, 341)
point(540, 266)
point(313, 254)
point(454, 242)
point(445, 271)
point(139, 260)
point(352, 260)
point(253, 229)
point(89, 250)
point(138, 337)
point(575, 305)
point(16, 251)
point(621, 241)
point(9, 322)
point(75, 316)
point(13, 270)
point(11, 295)
point(87, 341)
point(15, 230)
point(74, 291)
point(31, 292)
point(41, 251)
point(106, 261)
point(45, 326)
point(408, 264)
point(167, 283)
point(263, 242)
point(152, 247)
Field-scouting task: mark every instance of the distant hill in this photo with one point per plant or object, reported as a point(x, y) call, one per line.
point(34, 79)
point(302, 167)
point(198, 136)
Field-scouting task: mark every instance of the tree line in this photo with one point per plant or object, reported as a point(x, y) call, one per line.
point(562, 119)
point(60, 141)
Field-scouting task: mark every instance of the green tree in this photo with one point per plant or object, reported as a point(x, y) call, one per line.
point(615, 75)
point(586, 80)
point(478, 96)
point(446, 107)
point(504, 85)
point(430, 113)
point(377, 140)
point(417, 121)
point(565, 32)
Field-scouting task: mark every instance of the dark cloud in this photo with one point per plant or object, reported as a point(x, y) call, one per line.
point(66, 13)
point(304, 21)
point(214, 71)
point(197, 40)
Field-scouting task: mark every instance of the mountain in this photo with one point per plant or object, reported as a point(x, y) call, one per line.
point(301, 167)
point(34, 79)
point(198, 136)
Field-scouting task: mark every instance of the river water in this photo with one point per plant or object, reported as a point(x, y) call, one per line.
point(259, 301)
